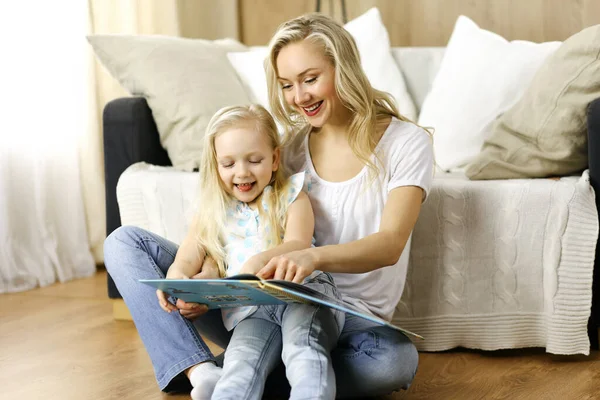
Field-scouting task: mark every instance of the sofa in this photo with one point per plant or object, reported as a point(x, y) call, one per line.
point(494, 264)
point(504, 252)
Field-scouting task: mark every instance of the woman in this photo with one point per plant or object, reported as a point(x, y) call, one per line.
point(368, 171)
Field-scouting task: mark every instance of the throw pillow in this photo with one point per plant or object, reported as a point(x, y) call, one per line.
point(481, 76)
point(545, 133)
point(185, 81)
point(249, 66)
point(377, 61)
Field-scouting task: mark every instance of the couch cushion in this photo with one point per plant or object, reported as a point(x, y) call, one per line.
point(544, 134)
point(185, 81)
point(481, 76)
point(419, 66)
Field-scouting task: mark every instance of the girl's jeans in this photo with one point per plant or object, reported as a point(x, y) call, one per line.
point(301, 335)
point(368, 360)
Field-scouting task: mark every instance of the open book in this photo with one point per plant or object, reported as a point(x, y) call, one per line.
point(250, 290)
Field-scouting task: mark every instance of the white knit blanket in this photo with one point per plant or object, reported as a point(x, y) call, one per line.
point(502, 264)
point(493, 264)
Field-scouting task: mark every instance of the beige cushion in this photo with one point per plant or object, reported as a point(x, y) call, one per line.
point(545, 134)
point(185, 81)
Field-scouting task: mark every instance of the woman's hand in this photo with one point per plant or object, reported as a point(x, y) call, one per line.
point(293, 266)
point(190, 311)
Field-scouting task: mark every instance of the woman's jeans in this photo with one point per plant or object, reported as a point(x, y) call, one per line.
point(369, 359)
point(300, 335)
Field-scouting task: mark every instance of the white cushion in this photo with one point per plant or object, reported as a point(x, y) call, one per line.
point(185, 81)
point(377, 61)
point(249, 65)
point(419, 66)
point(481, 76)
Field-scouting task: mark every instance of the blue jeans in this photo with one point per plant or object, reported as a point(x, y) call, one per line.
point(368, 360)
point(300, 335)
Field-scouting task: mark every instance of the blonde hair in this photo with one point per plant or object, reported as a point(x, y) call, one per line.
point(367, 105)
point(214, 198)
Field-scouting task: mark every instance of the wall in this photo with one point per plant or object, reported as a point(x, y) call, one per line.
point(430, 22)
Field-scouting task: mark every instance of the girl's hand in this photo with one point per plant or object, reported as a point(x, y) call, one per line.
point(190, 311)
point(209, 270)
point(293, 266)
point(172, 273)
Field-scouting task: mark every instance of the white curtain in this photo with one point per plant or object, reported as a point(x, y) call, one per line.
point(44, 113)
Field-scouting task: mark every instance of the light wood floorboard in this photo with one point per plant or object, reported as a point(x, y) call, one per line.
point(61, 342)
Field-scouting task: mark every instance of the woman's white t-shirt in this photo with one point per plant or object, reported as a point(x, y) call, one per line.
point(350, 210)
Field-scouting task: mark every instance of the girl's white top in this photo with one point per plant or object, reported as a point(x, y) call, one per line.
point(350, 210)
point(244, 238)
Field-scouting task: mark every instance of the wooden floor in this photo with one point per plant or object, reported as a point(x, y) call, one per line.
point(61, 342)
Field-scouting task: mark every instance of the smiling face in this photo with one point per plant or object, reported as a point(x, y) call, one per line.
point(246, 161)
point(307, 79)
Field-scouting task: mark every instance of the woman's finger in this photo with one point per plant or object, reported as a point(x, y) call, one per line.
point(299, 276)
point(281, 269)
point(290, 273)
point(268, 270)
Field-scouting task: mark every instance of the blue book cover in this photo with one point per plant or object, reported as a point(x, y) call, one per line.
point(250, 290)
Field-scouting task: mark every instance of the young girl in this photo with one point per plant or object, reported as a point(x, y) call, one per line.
point(367, 172)
point(250, 212)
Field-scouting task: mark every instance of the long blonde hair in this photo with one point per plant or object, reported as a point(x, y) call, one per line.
point(214, 200)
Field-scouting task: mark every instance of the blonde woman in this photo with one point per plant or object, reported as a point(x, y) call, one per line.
point(368, 170)
point(249, 212)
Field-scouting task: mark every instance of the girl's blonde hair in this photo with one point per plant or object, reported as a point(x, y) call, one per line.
point(214, 198)
point(367, 105)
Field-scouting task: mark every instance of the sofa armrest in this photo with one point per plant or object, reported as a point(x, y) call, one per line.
point(130, 136)
point(594, 168)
